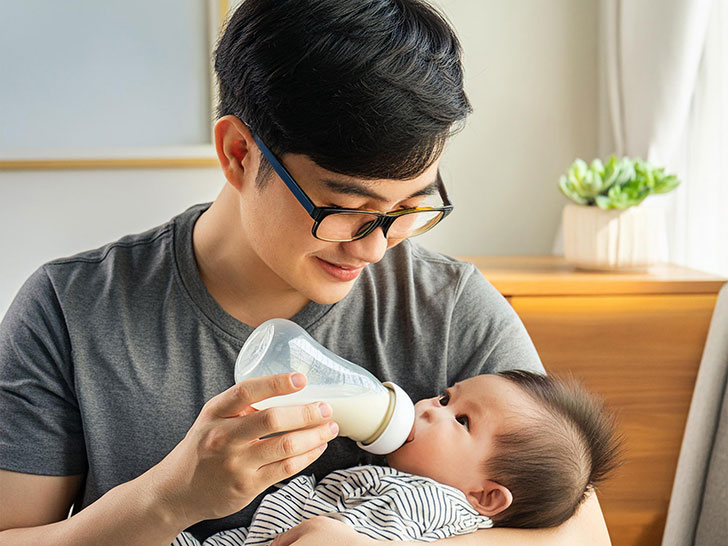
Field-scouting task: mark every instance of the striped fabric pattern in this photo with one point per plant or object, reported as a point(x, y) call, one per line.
point(379, 502)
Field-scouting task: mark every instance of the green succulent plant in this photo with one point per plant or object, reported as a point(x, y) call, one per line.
point(619, 184)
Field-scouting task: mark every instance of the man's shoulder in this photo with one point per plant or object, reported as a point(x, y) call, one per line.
point(137, 267)
point(120, 259)
point(428, 273)
point(411, 262)
point(409, 251)
point(125, 245)
point(415, 285)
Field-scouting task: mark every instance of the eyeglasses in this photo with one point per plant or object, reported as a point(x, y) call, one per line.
point(339, 225)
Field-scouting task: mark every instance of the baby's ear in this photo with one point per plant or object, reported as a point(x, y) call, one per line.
point(492, 499)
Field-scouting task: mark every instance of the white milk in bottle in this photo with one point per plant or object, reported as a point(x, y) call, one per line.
point(358, 414)
point(377, 416)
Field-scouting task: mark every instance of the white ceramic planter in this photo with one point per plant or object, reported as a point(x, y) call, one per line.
point(612, 240)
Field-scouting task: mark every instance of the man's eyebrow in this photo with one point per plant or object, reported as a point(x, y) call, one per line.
point(352, 188)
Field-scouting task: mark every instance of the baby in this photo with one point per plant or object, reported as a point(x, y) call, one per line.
point(516, 449)
point(526, 452)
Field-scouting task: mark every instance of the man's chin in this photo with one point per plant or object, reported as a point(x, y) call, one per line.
point(326, 292)
point(331, 296)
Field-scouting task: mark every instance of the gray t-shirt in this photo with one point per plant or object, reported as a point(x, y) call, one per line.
point(107, 357)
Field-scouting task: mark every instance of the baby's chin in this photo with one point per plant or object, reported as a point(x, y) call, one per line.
point(397, 459)
point(394, 457)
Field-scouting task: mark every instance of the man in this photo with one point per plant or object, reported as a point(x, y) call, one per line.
point(116, 364)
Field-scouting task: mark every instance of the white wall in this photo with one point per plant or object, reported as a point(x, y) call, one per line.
point(531, 74)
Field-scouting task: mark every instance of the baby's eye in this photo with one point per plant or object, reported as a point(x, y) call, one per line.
point(463, 420)
point(444, 399)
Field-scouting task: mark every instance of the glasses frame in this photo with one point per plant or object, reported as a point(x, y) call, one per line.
point(384, 220)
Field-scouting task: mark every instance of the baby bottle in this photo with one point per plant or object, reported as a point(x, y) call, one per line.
point(378, 416)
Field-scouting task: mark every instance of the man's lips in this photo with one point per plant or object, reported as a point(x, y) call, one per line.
point(341, 272)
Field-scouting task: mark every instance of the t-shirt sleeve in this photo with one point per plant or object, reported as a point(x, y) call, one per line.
point(486, 334)
point(41, 430)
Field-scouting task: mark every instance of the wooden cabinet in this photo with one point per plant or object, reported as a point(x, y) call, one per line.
point(634, 338)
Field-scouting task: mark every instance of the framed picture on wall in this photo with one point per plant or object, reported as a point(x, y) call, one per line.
point(104, 84)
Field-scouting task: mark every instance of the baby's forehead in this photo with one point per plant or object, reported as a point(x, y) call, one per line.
point(488, 384)
point(497, 392)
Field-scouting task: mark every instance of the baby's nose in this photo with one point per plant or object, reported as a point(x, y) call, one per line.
point(428, 409)
point(430, 412)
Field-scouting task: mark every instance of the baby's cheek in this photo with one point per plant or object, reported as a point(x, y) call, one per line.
point(413, 458)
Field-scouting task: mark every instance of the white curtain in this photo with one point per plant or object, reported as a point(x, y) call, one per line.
point(664, 69)
point(699, 235)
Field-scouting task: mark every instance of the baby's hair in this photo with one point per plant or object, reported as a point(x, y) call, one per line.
point(550, 461)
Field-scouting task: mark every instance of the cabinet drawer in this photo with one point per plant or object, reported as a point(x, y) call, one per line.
point(641, 353)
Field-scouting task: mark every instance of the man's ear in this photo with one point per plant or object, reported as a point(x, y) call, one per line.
point(492, 499)
point(233, 144)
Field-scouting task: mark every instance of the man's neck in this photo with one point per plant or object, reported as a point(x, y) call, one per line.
point(232, 272)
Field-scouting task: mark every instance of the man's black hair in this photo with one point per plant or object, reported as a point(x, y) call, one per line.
point(370, 89)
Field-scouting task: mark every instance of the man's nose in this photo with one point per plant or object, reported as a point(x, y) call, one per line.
point(368, 249)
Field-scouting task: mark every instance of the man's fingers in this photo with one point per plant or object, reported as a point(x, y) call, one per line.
point(292, 444)
point(236, 400)
point(281, 419)
point(280, 470)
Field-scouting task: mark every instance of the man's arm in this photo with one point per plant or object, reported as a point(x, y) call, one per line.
point(35, 508)
point(29, 500)
point(587, 526)
point(230, 455)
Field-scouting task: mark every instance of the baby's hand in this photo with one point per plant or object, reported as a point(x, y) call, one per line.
point(323, 530)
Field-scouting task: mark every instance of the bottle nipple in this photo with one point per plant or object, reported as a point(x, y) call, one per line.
point(396, 424)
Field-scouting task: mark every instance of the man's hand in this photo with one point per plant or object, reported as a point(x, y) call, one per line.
point(323, 530)
point(225, 461)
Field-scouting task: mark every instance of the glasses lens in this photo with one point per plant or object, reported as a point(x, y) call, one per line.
point(347, 226)
point(414, 223)
point(344, 226)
